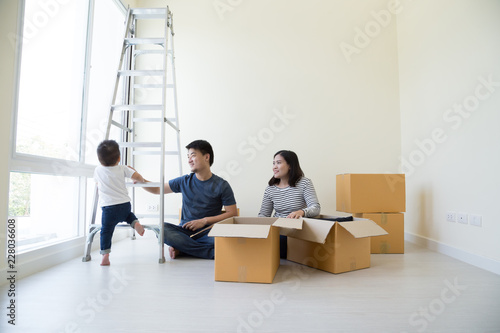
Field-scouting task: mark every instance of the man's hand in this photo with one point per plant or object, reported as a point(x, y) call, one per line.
point(195, 224)
point(296, 215)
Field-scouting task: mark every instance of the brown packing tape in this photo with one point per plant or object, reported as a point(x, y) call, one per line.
point(353, 263)
point(242, 274)
point(383, 218)
point(385, 247)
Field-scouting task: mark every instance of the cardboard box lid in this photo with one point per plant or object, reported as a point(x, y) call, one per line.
point(316, 231)
point(313, 230)
point(288, 223)
point(360, 228)
point(240, 230)
point(251, 227)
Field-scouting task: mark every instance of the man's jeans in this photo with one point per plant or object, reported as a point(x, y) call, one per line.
point(200, 246)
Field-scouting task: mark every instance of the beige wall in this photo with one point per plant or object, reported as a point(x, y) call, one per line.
point(8, 26)
point(447, 50)
point(255, 77)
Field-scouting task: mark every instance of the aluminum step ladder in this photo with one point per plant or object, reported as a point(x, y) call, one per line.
point(140, 99)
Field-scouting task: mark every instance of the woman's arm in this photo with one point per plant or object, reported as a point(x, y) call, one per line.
point(266, 208)
point(313, 207)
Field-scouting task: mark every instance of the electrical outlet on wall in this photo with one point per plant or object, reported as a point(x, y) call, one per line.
point(451, 217)
point(476, 220)
point(152, 208)
point(462, 218)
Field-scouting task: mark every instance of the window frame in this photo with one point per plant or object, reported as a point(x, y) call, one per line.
point(36, 164)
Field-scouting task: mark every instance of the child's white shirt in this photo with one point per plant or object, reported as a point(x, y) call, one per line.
point(111, 184)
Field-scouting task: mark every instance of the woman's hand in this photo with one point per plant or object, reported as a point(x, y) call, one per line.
point(296, 215)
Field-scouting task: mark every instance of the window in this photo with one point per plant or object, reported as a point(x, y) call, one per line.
point(70, 53)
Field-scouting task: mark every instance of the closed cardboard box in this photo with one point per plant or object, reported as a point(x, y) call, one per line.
point(247, 248)
point(371, 193)
point(393, 223)
point(335, 247)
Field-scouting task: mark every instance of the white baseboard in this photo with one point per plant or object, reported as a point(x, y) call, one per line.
point(467, 257)
point(38, 260)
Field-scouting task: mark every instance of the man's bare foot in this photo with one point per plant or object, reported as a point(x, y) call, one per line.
point(139, 228)
point(173, 252)
point(105, 260)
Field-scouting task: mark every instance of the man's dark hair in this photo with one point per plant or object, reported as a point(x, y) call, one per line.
point(295, 172)
point(108, 152)
point(204, 147)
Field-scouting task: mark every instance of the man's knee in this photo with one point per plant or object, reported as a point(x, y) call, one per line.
point(171, 234)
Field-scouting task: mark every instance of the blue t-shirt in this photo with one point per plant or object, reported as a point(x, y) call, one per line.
point(202, 198)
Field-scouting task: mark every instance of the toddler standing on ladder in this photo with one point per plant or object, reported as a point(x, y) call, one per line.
point(113, 194)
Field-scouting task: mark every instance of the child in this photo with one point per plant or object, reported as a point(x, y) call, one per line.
point(113, 195)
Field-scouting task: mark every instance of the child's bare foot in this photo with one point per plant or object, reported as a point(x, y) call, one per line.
point(105, 260)
point(173, 252)
point(139, 228)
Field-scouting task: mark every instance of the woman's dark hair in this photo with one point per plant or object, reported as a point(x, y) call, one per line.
point(295, 172)
point(108, 152)
point(204, 147)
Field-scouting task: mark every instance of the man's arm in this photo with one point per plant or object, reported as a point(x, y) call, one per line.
point(209, 220)
point(156, 190)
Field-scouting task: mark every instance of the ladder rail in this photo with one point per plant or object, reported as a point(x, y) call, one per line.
point(120, 64)
point(163, 116)
point(129, 72)
point(95, 199)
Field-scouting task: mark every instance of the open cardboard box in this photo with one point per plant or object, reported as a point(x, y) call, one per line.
point(334, 247)
point(247, 248)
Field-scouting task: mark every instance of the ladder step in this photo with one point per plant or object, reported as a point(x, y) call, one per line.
point(144, 216)
point(148, 120)
point(153, 85)
point(140, 52)
point(141, 73)
point(153, 152)
point(148, 184)
point(149, 13)
point(143, 41)
point(140, 144)
point(137, 107)
point(149, 85)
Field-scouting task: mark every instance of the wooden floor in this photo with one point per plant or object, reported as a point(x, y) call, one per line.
point(420, 291)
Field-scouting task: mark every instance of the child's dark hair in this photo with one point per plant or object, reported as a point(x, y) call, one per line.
point(204, 147)
point(108, 152)
point(295, 172)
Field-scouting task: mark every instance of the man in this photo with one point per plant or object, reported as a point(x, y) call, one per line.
point(203, 196)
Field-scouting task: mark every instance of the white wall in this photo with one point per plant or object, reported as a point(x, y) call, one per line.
point(446, 49)
point(243, 67)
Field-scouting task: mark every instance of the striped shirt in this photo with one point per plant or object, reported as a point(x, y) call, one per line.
point(290, 199)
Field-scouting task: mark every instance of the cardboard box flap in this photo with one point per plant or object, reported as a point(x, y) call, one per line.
point(360, 228)
point(240, 230)
point(313, 230)
point(288, 223)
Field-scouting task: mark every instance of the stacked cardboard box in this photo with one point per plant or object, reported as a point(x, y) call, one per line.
point(377, 197)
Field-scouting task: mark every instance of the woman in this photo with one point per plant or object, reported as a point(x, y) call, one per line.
point(289, 193)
